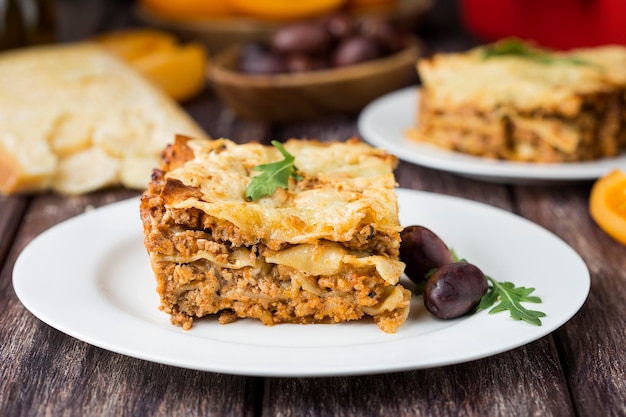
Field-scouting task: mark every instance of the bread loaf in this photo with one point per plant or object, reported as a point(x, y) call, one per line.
point(74, 119)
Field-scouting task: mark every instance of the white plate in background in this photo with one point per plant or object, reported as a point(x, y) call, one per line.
point(385, 121)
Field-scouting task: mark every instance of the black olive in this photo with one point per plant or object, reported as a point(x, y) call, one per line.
point(354, 50)
point(256, 59)
point(422, 250)
point(454, 290)
point(339, 25)
point(302, 38)
point(390, 38)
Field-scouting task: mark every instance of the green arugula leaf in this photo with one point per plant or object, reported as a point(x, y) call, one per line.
point(273, 175)
point(510, 298)
point(516, 47)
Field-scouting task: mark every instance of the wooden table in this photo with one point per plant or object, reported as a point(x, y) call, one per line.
point(580, 369)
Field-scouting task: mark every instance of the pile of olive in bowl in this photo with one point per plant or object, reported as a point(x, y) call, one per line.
point(312, 69)
point(334, 41)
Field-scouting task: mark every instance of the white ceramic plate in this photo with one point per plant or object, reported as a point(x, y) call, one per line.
point(90, 278)
point(384, 123)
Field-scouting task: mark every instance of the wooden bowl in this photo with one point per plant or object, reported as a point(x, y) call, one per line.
point(308, 95)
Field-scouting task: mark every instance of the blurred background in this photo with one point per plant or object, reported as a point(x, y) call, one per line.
point(180, 44)
point(553, 23)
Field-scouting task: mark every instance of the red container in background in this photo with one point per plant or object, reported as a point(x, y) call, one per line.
point(559, 24)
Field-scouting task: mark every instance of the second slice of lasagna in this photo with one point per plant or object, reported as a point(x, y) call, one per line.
point(513, 101)
point(324, 250)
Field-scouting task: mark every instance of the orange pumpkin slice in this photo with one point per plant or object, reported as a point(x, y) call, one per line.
point(132, 44)
point(189, 9)
point(178, 69)
point(285, 10)
point(607, 204)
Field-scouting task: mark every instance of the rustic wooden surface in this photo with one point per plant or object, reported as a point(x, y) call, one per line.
point(579, 370)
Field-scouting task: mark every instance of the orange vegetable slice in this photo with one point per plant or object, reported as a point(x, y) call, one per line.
point(284, 10)
point(131, 44)
point(607, 204)
point(189, 9)
point(178, 69)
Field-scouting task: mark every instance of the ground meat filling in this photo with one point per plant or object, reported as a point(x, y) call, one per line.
point(198, 288)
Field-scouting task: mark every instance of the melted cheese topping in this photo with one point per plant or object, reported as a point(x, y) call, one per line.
point(346, 187)
point(612, 59)
point(467, 79)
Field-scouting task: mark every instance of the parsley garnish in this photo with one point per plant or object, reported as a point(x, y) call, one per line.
point(273, 175)
point(518, 48)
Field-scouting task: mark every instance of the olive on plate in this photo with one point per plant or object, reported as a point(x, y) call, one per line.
point(422, 250)
point(454, 290)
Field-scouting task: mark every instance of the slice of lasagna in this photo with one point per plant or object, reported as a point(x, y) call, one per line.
point(512, 101)
point(324, 250)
